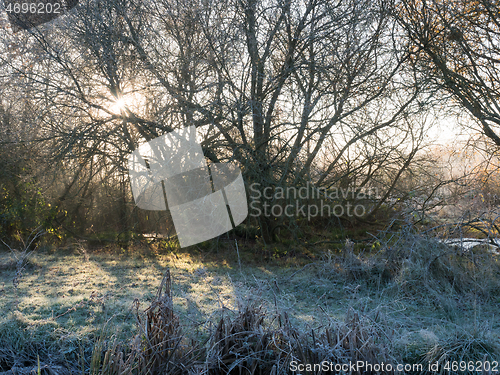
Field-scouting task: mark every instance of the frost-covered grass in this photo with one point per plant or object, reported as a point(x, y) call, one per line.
point(420, 299)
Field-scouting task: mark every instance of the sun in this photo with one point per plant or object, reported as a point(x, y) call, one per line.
point(124, 104)
point(119, 106)
point(132, 101)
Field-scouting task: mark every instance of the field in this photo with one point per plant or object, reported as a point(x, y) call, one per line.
point(418, 303)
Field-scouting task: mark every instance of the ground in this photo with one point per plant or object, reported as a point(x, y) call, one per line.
point(66, 297)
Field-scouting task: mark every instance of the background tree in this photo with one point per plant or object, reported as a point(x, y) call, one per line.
point(456, 43)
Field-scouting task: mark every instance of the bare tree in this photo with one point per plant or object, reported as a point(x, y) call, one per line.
point(295, 91)
point(456, 43)
point(273, 81)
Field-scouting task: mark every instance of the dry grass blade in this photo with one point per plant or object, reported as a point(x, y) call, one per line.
point(116, 362)
point(350, 341)
point(160, 347)
point(244, 346)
